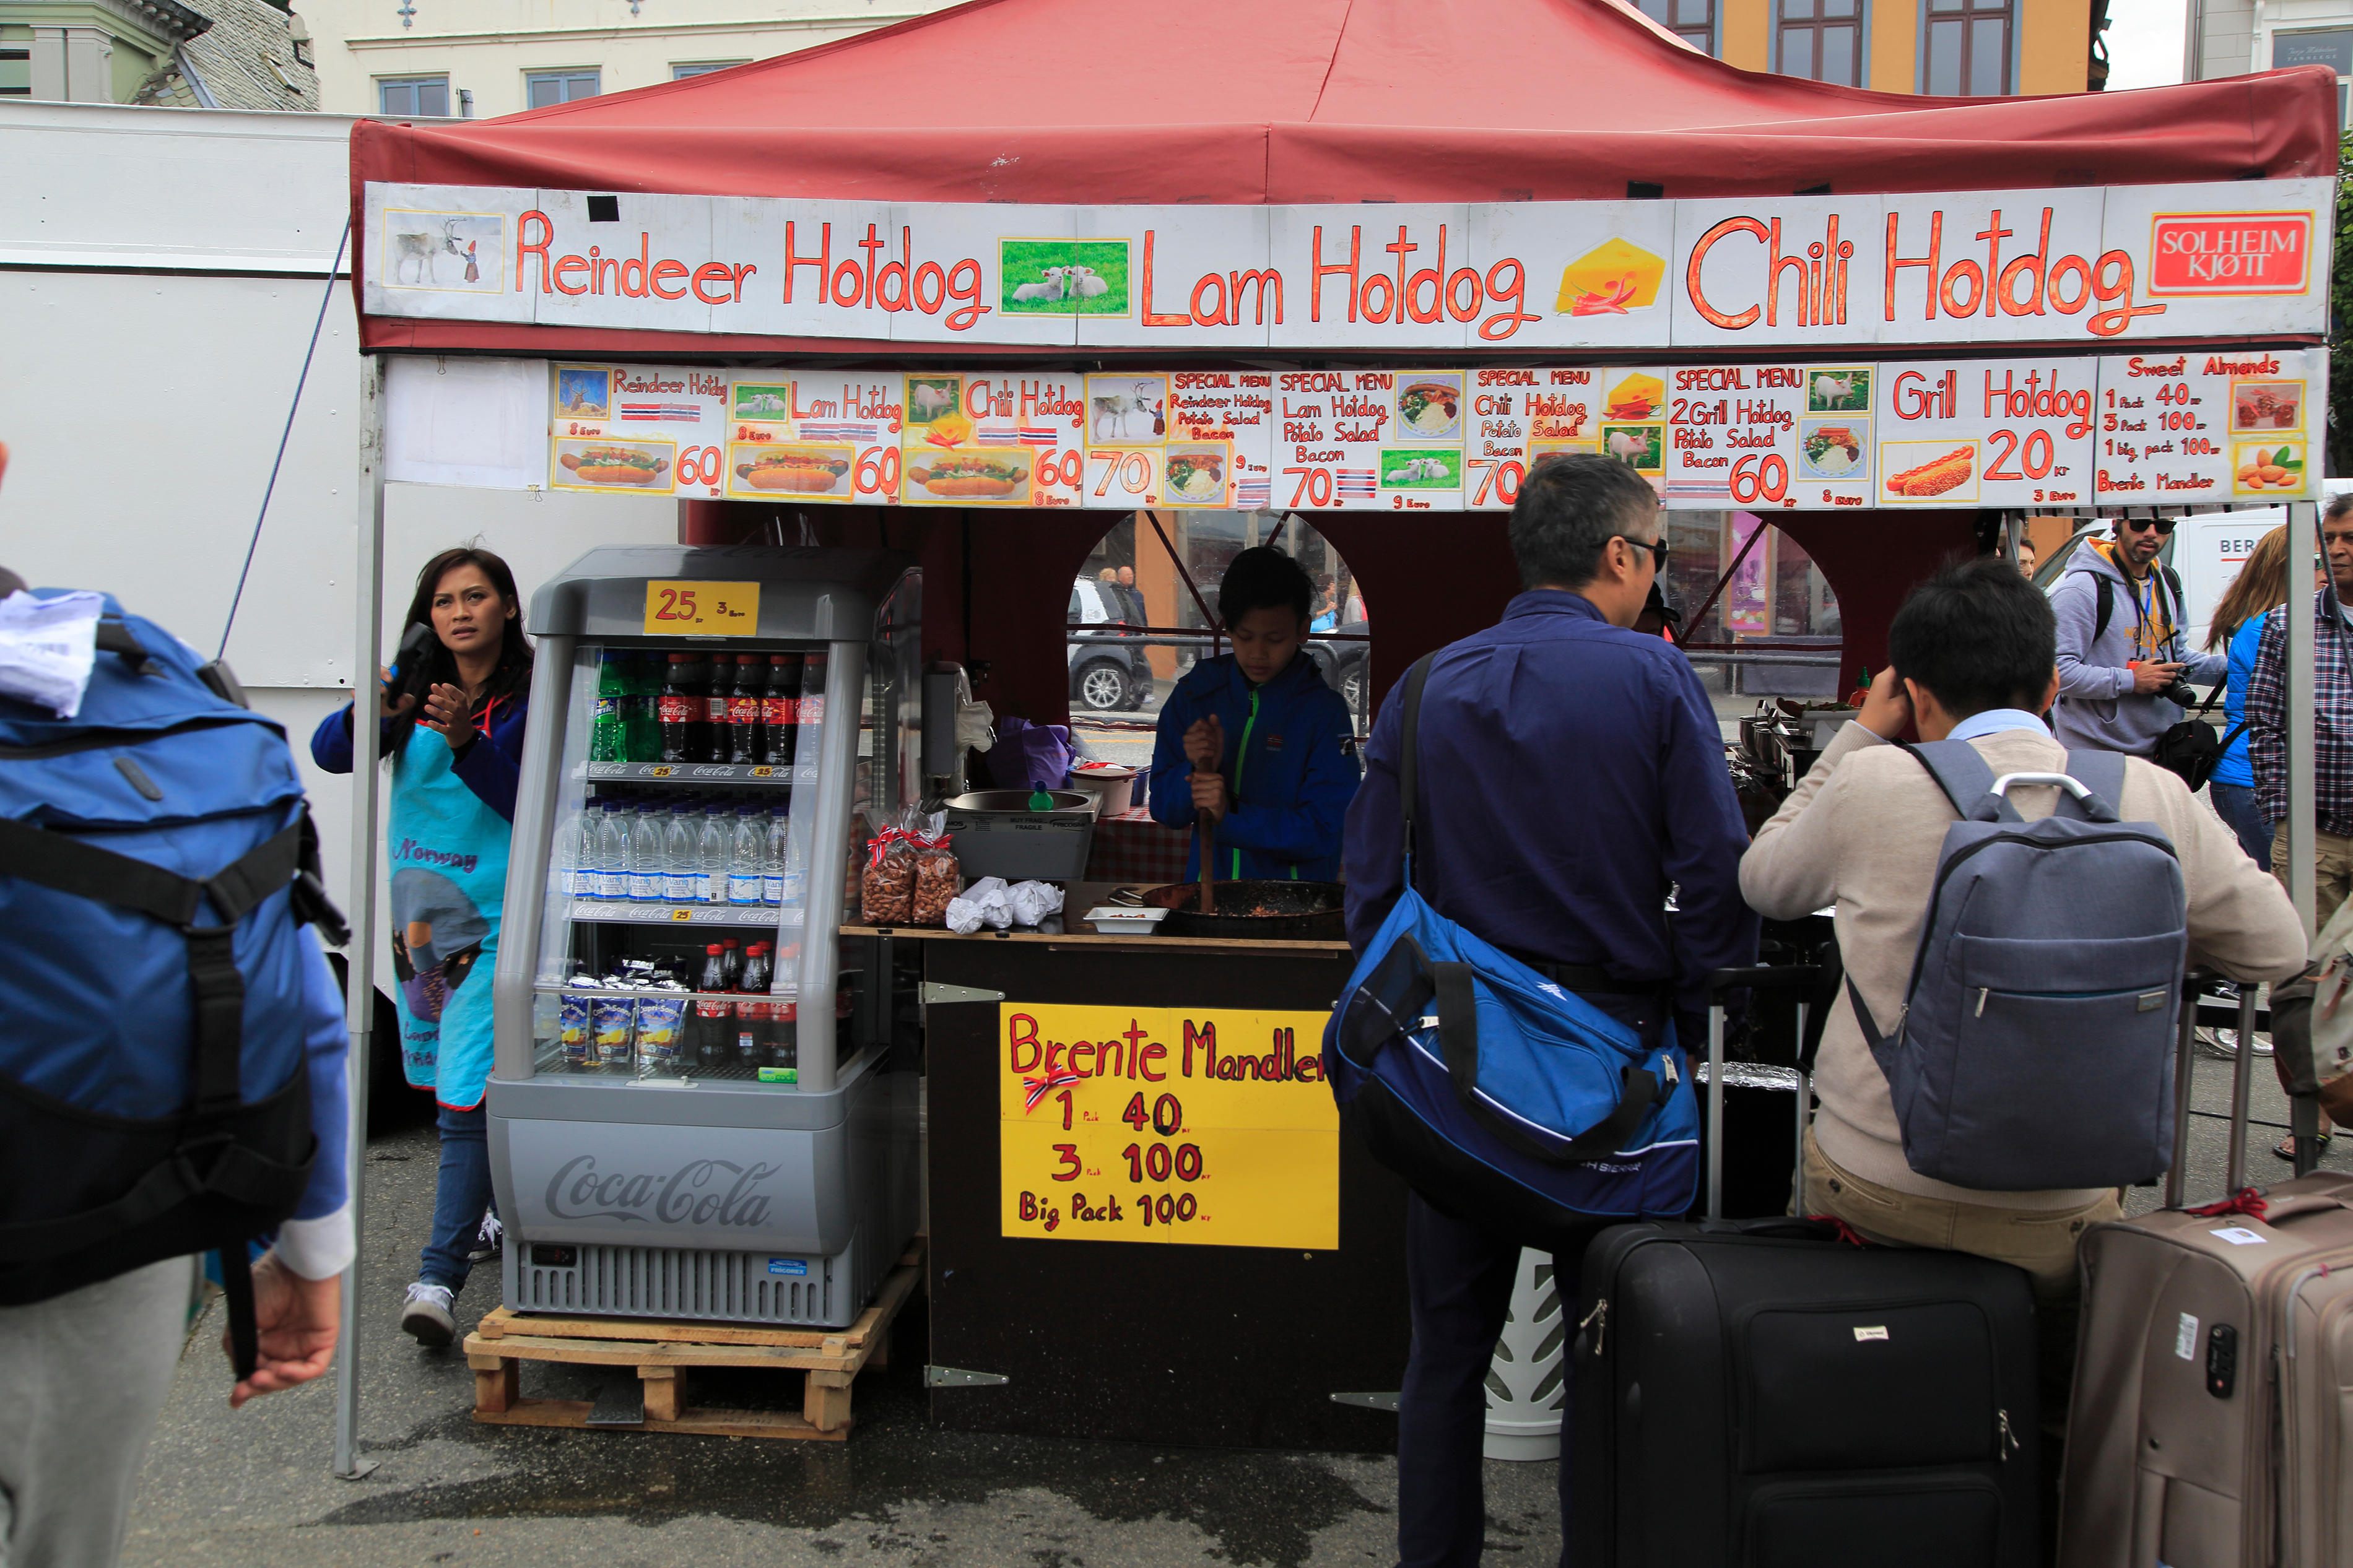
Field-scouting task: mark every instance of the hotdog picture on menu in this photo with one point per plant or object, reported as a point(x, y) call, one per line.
point(612, 463)
point(978, 474)
point(1947, 471)
point(805, 470)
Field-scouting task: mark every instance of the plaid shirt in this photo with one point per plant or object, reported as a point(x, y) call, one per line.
point(2332, 719)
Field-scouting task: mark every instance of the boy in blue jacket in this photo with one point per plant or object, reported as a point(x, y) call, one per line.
point(1254, 741)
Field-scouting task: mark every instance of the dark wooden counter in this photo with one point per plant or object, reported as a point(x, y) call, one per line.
point(1135, 1340)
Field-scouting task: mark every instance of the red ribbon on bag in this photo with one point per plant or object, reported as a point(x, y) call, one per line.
point(2247, 1201)
point(878, 845)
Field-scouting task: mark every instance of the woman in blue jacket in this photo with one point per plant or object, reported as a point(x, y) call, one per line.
point(455, 764)
point(1254, 741)
point(2237, 624)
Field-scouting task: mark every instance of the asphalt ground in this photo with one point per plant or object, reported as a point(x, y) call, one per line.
point(253, 1488)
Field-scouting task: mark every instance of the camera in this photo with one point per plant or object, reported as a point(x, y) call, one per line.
point(2180, 692)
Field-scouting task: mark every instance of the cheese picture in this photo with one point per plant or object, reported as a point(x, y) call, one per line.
point(1637, 395)
point(1612, 278)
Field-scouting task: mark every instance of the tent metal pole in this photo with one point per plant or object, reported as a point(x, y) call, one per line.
point(359, 999)
point(2304, 536)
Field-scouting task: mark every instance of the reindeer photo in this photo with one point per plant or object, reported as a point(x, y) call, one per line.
point(458, 252)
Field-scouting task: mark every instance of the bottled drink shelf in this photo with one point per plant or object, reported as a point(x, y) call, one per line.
point(752, 774)
point(748, 916)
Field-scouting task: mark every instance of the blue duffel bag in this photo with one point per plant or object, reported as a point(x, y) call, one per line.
point(1500, 1097)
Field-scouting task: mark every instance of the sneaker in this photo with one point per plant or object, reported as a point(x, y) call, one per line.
point(489, 1240)
point(2224, 1043)
point(426, 1315)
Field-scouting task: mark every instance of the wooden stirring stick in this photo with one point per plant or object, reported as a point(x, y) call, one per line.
point(1204, 828)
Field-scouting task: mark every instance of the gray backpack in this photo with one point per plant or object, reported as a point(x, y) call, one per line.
point(2035, 1047)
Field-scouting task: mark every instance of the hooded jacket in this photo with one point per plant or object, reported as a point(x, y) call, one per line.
point(1290, 765)
point(2097, 709)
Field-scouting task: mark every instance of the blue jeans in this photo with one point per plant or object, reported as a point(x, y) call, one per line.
point(2235, 804)
point(461, 1195)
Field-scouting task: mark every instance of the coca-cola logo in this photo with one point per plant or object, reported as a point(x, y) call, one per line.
point(701, 1192)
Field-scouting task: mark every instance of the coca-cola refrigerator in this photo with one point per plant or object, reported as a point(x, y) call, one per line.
point(682, 1123)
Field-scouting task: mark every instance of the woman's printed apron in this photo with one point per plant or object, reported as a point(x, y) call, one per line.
point(449, 862)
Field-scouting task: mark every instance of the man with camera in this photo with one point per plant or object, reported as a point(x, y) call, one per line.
point(2125, 677)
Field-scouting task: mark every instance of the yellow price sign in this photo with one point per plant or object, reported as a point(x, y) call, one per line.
point(1206, 1128)
point(702, 609)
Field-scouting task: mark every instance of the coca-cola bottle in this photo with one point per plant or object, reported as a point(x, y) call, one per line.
point(744, 710)
point(755, 1029)
point(714, 1017)
point(780, 710)
point(713, 685)
point(730, 956)
point(678, 709)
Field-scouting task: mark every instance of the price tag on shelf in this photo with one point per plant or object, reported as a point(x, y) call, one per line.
point(1166, 1125)
point(702, 609)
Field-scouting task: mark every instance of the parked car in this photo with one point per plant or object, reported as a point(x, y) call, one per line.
point(1346, 668)
point(1109, 671)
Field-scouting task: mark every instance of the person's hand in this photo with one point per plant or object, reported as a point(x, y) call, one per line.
point(2149, 676)
point(1205, 743)
point(297, 1320)
point(1887, 707)
point(1209, 795)
point(449, 715)
point(384, 702)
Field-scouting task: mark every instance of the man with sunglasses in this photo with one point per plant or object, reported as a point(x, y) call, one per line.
point(1572, 775)
point(2122, 661)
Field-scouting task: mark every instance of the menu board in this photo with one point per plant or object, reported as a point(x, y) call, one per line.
point(2196, 427)
point(814, 436)
point(1220, 449)
point(1016, 440)
point(1200, 1128)
point(1994, 433)
point(2185, 428)
point(636, 429)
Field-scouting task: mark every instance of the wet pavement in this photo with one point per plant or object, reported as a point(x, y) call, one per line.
point(253, 1488)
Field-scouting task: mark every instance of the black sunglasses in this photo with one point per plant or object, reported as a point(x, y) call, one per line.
point(2162, 524)
point(1657, 547)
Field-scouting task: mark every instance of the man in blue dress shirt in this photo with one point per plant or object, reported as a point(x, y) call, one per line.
point(1581, 779)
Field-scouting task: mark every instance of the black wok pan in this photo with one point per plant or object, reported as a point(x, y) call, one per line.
point(1262, 910)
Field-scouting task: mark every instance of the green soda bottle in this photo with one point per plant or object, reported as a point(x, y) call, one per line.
point(608, 730)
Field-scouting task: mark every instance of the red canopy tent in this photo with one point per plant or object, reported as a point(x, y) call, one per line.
point(1112, 101)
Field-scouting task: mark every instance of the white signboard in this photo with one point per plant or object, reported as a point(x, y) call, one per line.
point(1997, 433)
point(2089, 268)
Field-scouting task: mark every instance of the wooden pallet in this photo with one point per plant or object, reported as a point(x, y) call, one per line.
point(663, 1351)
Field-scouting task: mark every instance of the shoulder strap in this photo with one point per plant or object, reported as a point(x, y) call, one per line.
point(2174, 611)
point(1966, 777)
point(1409, 757)
point(2102, 772)
point(2106, 591)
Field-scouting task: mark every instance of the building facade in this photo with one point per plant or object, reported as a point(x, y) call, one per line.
point(485, 57)
point(2230, 38)
point(209, 54)
point(1953, 48)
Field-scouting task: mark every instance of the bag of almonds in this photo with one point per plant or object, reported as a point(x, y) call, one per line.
point(886, 889)
point(938, 878)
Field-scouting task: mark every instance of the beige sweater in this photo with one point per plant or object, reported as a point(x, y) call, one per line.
point(1862, 832)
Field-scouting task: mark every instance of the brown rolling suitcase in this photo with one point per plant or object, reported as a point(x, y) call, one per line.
point(2211, 1425)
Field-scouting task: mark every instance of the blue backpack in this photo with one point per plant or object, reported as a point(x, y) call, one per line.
point(1500, 1097)
point(157, 863)
point(2035, 1048)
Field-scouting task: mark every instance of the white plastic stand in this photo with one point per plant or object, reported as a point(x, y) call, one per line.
point(1525, 1382)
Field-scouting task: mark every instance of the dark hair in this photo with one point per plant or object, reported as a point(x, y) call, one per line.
point(1977, 635)
point(2339, 505)
point(512, 673)
point(1569, 509)
point(1263, 578)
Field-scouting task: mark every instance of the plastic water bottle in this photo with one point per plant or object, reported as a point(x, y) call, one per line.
point(744, 853)
point(646, 856)
point(612, 860)
point(683, 858)
point(771, 858)
point(796, 870)
point(717, 840)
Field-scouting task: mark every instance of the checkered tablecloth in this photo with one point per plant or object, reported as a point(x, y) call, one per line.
point(1132, 848)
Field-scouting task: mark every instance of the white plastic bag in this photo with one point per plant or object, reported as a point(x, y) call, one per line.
point(48, 648)
point(1033, 902)
point(982, 904)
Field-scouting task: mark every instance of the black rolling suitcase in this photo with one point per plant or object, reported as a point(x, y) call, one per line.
point(1762, 1393)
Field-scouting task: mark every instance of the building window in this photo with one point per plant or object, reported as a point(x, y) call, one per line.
point(426, 97)
point(1693, 21)
point(1821, 39)
point(2332, 48)
point(543, 88)
point(703, 67)
point(1969, 48)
